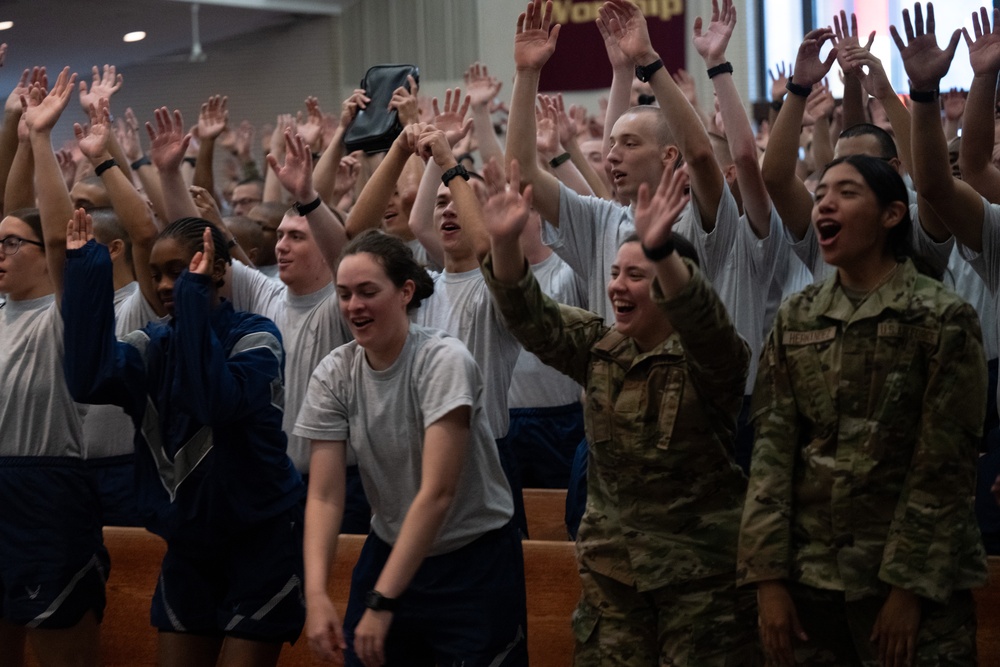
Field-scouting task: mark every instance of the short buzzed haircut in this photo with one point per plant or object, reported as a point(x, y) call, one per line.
point(664, 137)
point(108, 228)
point(886, 144)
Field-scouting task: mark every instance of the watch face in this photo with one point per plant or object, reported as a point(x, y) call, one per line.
point(372, 600)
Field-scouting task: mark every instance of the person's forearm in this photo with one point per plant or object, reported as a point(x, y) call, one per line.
point(618, 99)
point(324, 514)
point(854, 102)
point(594, 181)
point(8, 149)
point(899, 119)
point(421, 526)
point(325, 171)
point(978, 126)
point(369, 208)
point(486, 137)
point(471, 214)
point(790, 197)
point(521, 124)
point(176, 197)
point(743, 148)
point(54, 206)
point(149, 178)
point(204, 176)
point(508, 259)
point(822, 147)
point(422, 213)
point(19, 191)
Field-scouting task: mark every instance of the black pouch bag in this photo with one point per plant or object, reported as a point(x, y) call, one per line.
point(375, 128)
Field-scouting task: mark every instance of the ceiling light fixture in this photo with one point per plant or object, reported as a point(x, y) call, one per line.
point(6, 25)
point(136, 36)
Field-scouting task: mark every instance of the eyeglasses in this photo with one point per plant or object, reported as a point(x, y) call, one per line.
point(11, 244)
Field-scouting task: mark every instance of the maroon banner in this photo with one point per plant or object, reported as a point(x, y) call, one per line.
point(581, 62)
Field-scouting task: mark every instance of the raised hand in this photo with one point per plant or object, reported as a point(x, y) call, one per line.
point(875, 82)
point(103, 84)
point(686, 83)
point(168, 142)
point(30, 77)
point(452, 120)
point(42, 117)
point(213, 117)
point(67, 165)
point(310, 126)
point(410, 137)
point(711, 44)
point(127, 132)
point(953, 103)
point(925, 62)
point(819, 104)
point(204, 259)
point(546, 129)
point(628, 26)
point(480, 86)
point(619, 61)
point(206, 205)
point(243, 143)
point(656, 215)
point(846, 38)
point(433, 144)
point(79, 230)
point(296, 173)
point(506, 211)
point(93, 140)
point(404, 101)
point(809, 69)
point(534, 43)
point(284, 123)
point(984, 50)
point(349, 107)
point(348, 172)
point(778, 80)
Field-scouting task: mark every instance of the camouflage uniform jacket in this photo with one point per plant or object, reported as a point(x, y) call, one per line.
point(867, 425)
point(663, 494)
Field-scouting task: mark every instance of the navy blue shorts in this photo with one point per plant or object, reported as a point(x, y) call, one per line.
point(53, 563)
point(249, 588)
point(115, 478)
point(544, 442)
point(466, 607)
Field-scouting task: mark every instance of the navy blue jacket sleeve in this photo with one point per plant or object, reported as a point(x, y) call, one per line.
point(223, 383)
point(98, 368)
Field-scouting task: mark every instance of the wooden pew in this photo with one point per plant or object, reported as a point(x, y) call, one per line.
point(128, 640)
point(546, 513)
point(988, 617)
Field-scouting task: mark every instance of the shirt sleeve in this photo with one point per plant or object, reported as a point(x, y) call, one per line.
point(561, 336)
point(324, 413)
point(449, 378)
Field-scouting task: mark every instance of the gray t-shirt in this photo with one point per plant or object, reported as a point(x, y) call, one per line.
point(462, 306)
point(987, 264)
point(107, 430)
point(591, 230)
point(534, 384)
point(311, 326)
point(37, 415)
point(385, 414)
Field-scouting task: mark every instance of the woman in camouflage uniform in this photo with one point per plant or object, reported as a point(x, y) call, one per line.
point(657, 543)
point(858, 525)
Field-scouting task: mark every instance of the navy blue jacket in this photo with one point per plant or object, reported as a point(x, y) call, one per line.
point(205, 392)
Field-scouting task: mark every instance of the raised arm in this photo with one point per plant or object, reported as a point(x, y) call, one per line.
point(622, 75)
point(296, 176)
point(978, 132)
point(142, 167)
point(326, 170)
point(434, 145)
point(960, 206)
point(20, 184)
point(711, 46)
point(482, 89)
point(790, 197)
point(534, 44)
point(54, 205)
point(104, 84)
point(452, 122)
point(845, 39)
point(628, 25)
point(655, 216)
point(128, 204)
point(370, 206)
point(9, 136)
point(552, 151)
point(272, 184)
point(167, 145)
point(213, 119)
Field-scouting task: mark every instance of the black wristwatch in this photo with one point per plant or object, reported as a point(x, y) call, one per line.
point(457, 170)
point(378, 602)
point(645, 72)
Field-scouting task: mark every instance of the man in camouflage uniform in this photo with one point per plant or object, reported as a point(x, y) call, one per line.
point(868, 419)
point(657, 544)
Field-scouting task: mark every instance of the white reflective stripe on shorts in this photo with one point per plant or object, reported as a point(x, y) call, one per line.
point(171, 616)
point(292, 585)
point(45, 615)
point(518, 638)
point(173, 473)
